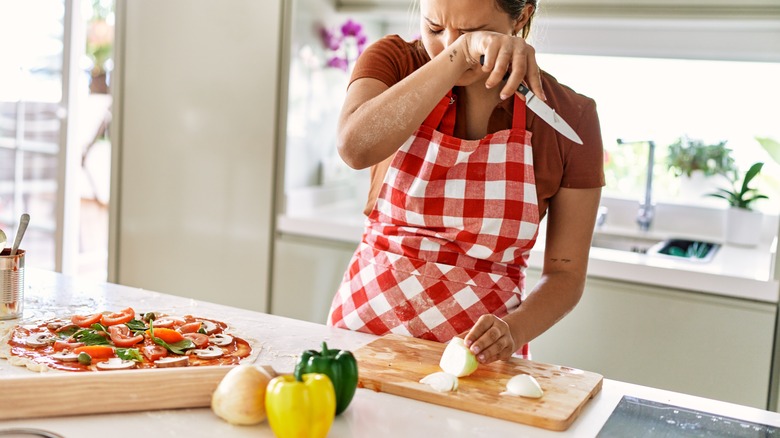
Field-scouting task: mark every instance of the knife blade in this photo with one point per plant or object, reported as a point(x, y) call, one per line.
point(544, 111)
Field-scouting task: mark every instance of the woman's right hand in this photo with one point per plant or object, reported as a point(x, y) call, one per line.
point(504, 53)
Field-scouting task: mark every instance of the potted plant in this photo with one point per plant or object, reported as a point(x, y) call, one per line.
point(743, 224)
point(695, 162)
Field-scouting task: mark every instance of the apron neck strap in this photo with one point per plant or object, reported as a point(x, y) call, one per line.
point(518, 113)
point(442, 118)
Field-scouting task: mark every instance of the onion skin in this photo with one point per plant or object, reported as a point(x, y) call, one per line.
point(240, 397)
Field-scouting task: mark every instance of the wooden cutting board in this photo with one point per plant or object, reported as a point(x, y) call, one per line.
point(64, 393)
point(395, 364)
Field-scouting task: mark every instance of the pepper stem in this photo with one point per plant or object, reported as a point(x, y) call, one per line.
point(324, 348)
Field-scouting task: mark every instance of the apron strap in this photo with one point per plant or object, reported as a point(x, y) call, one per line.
point(518, 114)
point(442, 118)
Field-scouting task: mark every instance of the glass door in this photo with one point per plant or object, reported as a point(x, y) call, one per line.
point(38, 88)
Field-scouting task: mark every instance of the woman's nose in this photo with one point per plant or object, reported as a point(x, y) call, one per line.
point(450, 37)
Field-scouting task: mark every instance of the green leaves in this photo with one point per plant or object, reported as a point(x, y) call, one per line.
point(136, 326)
point(687, 155)
point(744, 196)
point(129, 354)
point(176, 347)
point(771, 146)
point(91, 337)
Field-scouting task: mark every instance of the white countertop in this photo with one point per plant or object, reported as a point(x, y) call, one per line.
point(281, 340)
point(741, 272)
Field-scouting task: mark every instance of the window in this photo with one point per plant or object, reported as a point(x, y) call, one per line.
point(663, 99)
point(659, 72)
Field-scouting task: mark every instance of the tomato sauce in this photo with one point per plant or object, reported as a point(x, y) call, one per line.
point(232, 353)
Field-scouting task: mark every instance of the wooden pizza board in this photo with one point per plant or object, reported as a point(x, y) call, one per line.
point(395, 364)
point(67, 393)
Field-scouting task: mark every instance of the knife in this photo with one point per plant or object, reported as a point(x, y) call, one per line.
point(544, 111)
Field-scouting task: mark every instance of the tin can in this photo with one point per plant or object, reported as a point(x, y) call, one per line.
point(11, 284)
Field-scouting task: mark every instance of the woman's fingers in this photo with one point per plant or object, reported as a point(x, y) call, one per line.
point(502, 54)
point(490, 339)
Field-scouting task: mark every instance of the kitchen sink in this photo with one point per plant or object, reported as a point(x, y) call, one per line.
point(617, 242)
point(676, 248)
point(692, 250)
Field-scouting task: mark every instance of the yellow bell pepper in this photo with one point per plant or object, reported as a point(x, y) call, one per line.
point(300, 409)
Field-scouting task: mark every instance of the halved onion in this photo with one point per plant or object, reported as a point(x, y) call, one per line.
point(457, 359)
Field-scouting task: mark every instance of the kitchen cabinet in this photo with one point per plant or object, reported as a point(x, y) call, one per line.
point(306, 274)
point(197, 94)
point(711, 346)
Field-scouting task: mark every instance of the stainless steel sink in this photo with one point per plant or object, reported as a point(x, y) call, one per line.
point(635, 244)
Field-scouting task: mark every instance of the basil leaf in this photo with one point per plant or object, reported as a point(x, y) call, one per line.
point(135, 325)
point(129, 354)
point(68, 332)
point(90, 337)
point(181, 346)
point(99, 327)
point(176, 347)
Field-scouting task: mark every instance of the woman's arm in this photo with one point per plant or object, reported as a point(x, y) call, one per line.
point(570, 221)
point(376, 119)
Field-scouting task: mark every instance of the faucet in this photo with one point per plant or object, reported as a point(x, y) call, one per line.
point(646, 213)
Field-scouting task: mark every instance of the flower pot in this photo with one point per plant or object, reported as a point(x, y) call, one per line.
point(743, 227)
point(694, 187)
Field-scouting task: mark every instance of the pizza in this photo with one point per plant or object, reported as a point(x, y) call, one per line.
point(121, 340)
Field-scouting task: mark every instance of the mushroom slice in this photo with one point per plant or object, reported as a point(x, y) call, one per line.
point(39, 340)
point(115, 363)
point(65, 356)
point(211, 352)
point(172, 361)
point(168, 321)
point(221, 339)
point(208, 326)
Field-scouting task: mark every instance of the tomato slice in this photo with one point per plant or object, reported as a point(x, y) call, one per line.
point(96, 351)
point(190, 327)
point(86, 320)
point(154, 352)
point(120, 317)
point(120, 336)
point(168, 335)
point(65, 345)
point(199, 339)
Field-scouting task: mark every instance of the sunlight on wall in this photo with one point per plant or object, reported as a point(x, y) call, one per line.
point(663, 99)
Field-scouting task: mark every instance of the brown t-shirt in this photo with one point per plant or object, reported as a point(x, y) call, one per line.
point(558, 162)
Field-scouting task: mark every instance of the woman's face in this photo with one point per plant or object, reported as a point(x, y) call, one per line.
point(443, 21)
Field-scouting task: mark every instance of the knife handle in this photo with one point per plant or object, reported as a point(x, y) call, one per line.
point(522, 89)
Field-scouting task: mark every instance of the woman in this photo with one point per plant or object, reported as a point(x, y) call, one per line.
point(460, 182)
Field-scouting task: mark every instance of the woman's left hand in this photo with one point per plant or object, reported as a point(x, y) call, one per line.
point(490, 339)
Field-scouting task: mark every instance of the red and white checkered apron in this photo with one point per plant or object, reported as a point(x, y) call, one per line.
point(449, 237)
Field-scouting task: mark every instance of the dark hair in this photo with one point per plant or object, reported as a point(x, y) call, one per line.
point(514, 8)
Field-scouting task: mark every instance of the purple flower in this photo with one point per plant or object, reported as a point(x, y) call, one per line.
point(351, 28)
point(338, 62)
point(331, 41)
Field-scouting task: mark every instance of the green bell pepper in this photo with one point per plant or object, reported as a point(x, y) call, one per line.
point(339, 365)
